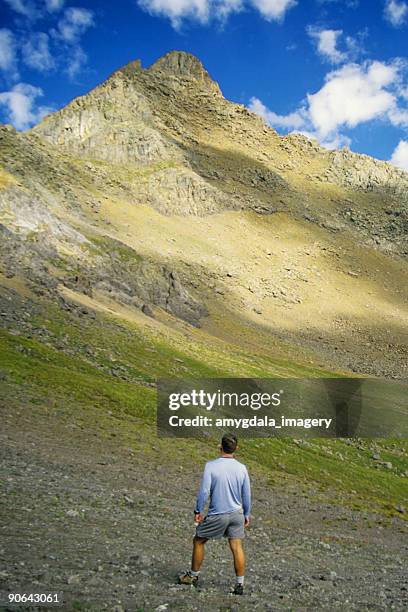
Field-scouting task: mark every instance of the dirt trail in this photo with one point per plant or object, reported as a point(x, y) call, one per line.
point(84, 516)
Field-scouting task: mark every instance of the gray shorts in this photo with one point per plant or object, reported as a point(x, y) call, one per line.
point(228, 525)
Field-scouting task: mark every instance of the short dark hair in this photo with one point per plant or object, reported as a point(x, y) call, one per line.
point(229, 443)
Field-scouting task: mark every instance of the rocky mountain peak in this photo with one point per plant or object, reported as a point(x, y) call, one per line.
point(130, 69)
point(179, 63)
point(173, 111)
point(182, 65)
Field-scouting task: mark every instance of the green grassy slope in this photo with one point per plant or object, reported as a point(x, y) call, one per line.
point(96, 374)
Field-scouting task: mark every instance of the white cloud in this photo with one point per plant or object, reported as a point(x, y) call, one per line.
point(400, 156)
point(42, 51)
point(22, 7)
point(326, 42)
point(36, 52)
point(399, 116)
point(226, 7)
point(396, 12)
point(8, 60)
point(274, 10)
point(74, 23)
point(20, 105)
point(337, 141)
point(33, 9)
point(53, 6)
point(297, 122)
point(294, 120)
point(77, 60)
point(351, 95)
point(205, 10)
point(177, 10)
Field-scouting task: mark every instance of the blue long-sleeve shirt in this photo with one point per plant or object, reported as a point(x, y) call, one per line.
point(226, 482)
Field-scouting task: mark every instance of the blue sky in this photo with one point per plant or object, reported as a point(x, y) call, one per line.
point(336, 70)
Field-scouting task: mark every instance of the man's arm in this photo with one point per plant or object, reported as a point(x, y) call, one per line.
point(204, 491)
point(246, 496)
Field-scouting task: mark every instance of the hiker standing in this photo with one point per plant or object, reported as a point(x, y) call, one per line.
point(226, 482)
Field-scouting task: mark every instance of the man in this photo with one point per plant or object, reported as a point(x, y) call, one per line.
point(226, 482)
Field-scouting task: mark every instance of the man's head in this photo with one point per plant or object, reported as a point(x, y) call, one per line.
point(229, 443)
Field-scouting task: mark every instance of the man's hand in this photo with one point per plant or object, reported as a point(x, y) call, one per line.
point(246, 522)
point(198, 518)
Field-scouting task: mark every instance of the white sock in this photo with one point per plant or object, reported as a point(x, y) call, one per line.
point(239, 579)
point(193, 573)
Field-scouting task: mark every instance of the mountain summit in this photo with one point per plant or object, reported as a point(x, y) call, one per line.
point(181, 64)
point(154, 192)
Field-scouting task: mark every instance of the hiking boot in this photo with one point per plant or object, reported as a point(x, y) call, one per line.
point(188, 578)
point(238, 589)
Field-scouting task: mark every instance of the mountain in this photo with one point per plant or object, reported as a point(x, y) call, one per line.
point(155, 192)
point(152, 228)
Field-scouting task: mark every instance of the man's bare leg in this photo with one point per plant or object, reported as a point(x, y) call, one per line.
point(239, 556)
point(239, 564)
point(198, 553)
point(191, 577)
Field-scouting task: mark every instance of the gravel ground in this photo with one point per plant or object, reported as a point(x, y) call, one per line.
point(110, 530)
